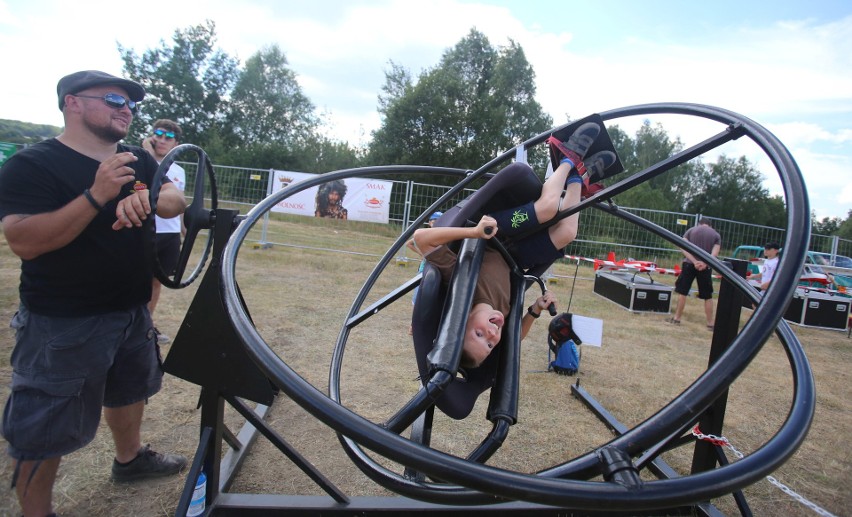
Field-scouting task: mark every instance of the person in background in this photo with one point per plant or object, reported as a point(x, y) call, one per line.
point(72, 208)
point(705, 237)
point(770, 251)
point(165, 137)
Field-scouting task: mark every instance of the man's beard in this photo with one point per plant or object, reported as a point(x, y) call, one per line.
point(107, 132)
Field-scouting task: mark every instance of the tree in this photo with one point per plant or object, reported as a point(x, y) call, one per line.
point(733, 189)
point(477, 103)
point(668, 191)
point(188, 82)
point(17, 132)
point(316, 154)
point(730, 189)
point(267, 104)
point(827, 226)
point(844, 231)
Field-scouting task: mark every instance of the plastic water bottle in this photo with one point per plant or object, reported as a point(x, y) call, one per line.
point(196, 505)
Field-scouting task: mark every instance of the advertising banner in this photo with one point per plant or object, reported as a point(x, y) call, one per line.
point(6, 150)
point(356, 199)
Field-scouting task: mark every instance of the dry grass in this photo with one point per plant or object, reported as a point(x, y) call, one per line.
point(298, 298)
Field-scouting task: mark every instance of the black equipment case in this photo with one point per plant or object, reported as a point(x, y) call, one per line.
point(815, 309)
point(634, 292)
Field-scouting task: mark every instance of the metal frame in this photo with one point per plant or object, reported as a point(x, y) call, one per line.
point(566, 485)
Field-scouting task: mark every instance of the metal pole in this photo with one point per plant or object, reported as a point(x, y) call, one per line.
point(269, 183)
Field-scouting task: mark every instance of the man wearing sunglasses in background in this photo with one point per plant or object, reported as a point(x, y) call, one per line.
point(169, 230)
point(72, 209)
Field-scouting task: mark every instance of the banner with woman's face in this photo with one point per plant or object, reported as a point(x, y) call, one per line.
point(363, 199)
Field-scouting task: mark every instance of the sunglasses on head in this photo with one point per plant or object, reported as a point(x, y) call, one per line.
point(168, 134)
point(113, 100)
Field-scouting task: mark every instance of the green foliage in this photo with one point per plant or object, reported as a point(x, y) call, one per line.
point(733, 189)
point(477, 103)
point(844, 231)
point(320, 154)
point(315, 154)
point(256, 117)
point(728, 189)
point(187, 81)
point(267, 104)
point(826, 226)
point(669, 191)
point(17, 132)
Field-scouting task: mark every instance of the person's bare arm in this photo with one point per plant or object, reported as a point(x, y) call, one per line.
point(171, 202)
point(540, 305)
point(31, 235)
point(426, 240)
point(699, 264)
point(133, 210)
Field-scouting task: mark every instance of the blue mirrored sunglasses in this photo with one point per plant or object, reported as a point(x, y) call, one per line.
point(168, 134)
point(113, 100)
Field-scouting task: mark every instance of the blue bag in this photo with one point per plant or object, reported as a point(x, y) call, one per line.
point(567, 359)
point(563, 342)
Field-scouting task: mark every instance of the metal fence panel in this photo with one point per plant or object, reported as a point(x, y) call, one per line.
point(600, 232)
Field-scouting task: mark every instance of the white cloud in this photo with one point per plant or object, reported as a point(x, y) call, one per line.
point(794, 77)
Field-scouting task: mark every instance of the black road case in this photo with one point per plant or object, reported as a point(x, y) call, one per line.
point(634, 292)
point(815, 309)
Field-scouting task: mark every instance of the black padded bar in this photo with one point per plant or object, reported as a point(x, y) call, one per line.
point(448, 345)
point(504, 396)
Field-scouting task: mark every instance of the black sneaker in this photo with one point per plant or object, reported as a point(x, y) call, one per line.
point(597, 163)
point(147, 464)
point(577, 145)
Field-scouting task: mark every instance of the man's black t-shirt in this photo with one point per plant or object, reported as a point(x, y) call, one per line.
point(102, 270)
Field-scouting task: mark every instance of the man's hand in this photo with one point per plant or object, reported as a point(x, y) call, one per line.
point(112, 174)
point(132, 210)
point(148, 145)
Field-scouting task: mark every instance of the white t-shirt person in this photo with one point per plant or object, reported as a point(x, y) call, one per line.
point(172, 224)
point(769, 265)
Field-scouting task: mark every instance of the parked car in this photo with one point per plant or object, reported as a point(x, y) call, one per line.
point(824, 259)
point(841, 278)
point(753, 254)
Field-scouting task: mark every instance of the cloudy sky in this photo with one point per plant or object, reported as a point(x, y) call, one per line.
point(786, 65)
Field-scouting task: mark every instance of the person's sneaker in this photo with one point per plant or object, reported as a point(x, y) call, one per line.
point(162, 339)
point(147, 464)
point(597, 163)
point(577, 145)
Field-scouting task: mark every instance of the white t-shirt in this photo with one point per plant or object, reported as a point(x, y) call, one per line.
point(172, 224)
point(769, 267)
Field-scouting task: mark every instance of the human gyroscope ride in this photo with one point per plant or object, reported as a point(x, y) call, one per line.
point(219, 348)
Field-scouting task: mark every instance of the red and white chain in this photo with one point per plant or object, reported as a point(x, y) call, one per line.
point(724, 442)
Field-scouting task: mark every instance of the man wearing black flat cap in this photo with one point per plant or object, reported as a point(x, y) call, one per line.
point(72, 209)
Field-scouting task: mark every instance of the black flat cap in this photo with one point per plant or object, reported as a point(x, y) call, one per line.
point(79, 81)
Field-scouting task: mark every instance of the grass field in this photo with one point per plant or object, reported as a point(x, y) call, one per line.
point(298, 296)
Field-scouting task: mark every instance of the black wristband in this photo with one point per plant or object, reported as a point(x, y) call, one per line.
point(531, 313)
point(88, 195)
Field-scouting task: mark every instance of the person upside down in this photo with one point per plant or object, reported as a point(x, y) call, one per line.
point(491, 301)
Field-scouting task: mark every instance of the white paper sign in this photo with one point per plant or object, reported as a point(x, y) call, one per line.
point(589, 330)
